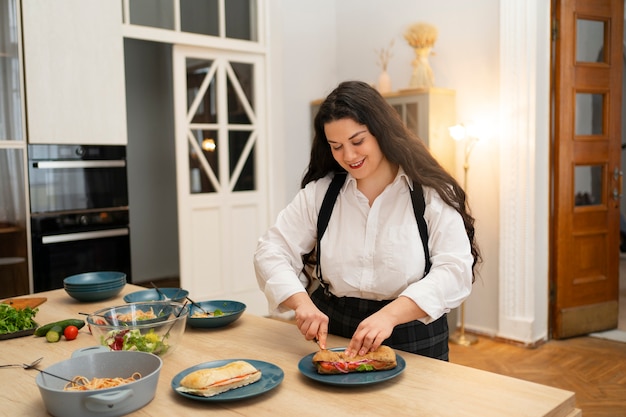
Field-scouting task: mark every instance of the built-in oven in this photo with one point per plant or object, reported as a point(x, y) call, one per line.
point(79, 211)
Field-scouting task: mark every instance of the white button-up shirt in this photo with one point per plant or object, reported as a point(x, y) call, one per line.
point(369, 252)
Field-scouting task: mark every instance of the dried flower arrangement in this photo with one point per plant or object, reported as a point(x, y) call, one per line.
point(421, 35)
point(384, 54)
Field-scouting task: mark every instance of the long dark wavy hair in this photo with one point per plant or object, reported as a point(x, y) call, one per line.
point(360, 102)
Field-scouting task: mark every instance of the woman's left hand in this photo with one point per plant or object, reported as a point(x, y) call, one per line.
point(370, 334)
point(375, 329)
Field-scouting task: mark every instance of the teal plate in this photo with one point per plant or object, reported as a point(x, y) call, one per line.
point(307, 369)
point(271, 377)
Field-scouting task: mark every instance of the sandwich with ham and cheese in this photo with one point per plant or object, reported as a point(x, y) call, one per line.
point(336, 362)
point(212, 381)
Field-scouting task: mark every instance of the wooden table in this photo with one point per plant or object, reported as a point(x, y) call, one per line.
point(427, 387)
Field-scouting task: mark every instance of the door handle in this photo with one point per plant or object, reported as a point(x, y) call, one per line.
point(618, 175)
point(79, 164)
point(72, 237)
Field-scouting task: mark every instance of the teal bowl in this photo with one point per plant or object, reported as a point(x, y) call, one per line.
point(94, 279)
point(231, 311)
point(88, 296)
point(174, 294)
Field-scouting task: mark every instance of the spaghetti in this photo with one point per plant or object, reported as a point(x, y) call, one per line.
point(80, 383)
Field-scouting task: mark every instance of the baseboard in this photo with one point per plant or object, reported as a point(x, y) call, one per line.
point(507, 341)
point(615, 335)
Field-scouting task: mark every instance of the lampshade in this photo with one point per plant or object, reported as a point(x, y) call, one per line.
point(457, 132)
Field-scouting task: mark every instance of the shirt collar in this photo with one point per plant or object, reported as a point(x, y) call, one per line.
point(400, 176)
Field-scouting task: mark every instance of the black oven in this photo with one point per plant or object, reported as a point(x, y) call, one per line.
point(79, 211)
point(65, 244)
point(74, 178)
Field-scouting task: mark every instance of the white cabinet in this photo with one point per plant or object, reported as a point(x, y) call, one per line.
point(74, 71)
point(428, 113)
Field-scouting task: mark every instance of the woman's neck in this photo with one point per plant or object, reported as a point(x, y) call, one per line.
point(374, 185)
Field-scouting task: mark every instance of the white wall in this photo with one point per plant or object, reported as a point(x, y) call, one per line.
point(303, 65)
point(324, 42)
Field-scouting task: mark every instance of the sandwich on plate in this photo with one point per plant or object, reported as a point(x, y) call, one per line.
point(336, 362)
point(212, 381)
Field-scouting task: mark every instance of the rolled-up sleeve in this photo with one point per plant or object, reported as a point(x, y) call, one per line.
point(449, 281)
point(278, 256)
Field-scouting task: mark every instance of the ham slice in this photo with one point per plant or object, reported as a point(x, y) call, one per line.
point(212, 381)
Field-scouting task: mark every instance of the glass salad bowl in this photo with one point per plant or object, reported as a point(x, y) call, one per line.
point(154, 327)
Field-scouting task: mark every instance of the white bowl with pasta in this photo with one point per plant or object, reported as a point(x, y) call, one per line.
point(108, 384)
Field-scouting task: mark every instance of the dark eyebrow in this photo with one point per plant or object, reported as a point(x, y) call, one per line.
point(351, 137)
point(357, 133)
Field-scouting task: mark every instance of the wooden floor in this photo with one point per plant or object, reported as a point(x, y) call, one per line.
point(595, 369)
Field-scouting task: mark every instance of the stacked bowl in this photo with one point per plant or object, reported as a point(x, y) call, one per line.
point(94, 286)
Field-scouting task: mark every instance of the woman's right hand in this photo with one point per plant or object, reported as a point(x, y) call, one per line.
point(309, 319)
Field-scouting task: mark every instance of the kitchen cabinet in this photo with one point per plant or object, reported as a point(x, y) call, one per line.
point(74, 72)
point(428, 113)
point(14, 278)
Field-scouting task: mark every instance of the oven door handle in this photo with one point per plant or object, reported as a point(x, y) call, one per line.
point(71, 237)
point(79, 164)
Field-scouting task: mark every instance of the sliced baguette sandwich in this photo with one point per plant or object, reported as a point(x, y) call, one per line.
point(212, 381)
point(334, 362)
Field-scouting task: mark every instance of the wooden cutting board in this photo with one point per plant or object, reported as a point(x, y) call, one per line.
point(19, 303)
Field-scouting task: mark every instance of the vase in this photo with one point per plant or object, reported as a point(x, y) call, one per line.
point(422, 73)
point(384, 82)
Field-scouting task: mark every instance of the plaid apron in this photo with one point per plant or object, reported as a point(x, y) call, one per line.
point(345, 314)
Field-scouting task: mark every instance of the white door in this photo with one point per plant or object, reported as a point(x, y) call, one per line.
point(221, 172)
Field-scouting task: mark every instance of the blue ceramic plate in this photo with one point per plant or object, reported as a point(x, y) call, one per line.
point(175, 294)
point(232, 311)
point(271, 377)
point(352, 379)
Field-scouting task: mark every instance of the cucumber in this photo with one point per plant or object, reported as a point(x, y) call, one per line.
point(54, 334)
point(42, 330)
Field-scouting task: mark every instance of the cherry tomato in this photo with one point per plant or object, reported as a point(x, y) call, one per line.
point(70, 332)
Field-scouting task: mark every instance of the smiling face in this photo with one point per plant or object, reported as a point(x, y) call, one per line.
point(356, 149)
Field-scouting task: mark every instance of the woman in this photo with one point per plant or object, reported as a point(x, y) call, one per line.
point(377, 285)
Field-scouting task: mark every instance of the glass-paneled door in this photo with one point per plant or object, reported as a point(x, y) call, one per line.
point(221, 174)
point(587, 184)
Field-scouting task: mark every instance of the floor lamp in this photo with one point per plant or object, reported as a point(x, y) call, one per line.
point(459, 133)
